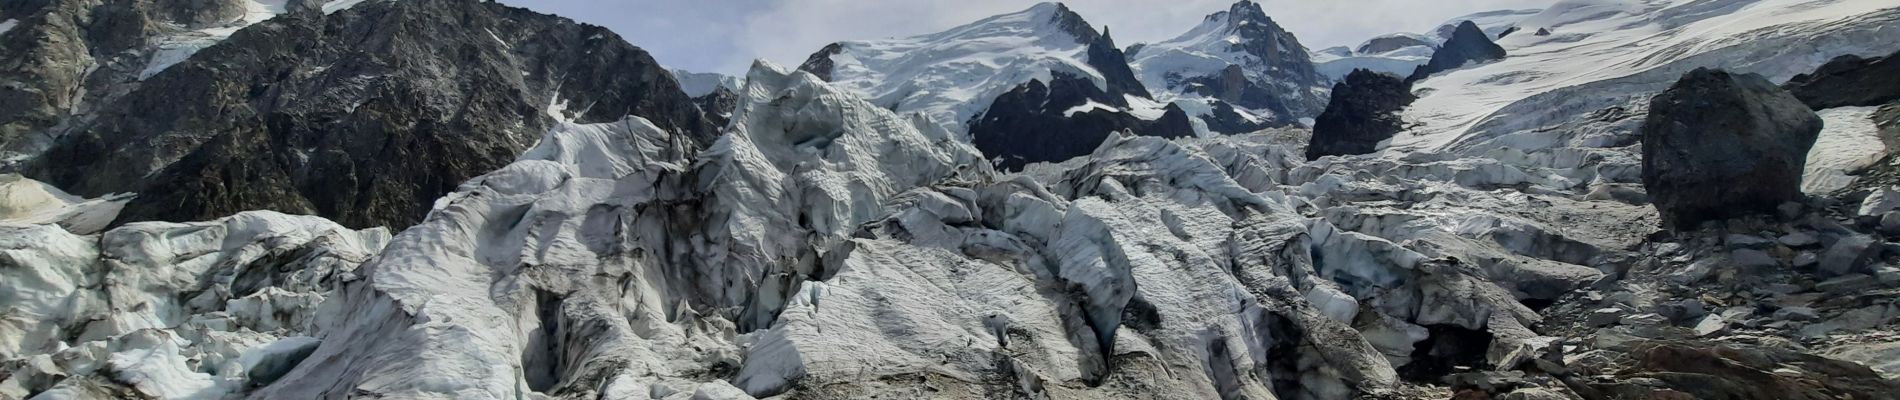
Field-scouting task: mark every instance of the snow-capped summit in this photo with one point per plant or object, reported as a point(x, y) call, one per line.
point(1239, 56)
point(1015, 83)
point(951, 76)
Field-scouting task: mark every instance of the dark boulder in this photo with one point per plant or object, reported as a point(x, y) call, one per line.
point(1364, 111)
point(1849, 81)
point(1542, 32)
point(364, 116)
point(1718, 145)
point(1468, 44)
point(1038, 122)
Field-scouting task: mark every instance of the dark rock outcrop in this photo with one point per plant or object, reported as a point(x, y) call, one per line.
point(820, 63)
point(365, 116)
point(1468, 45)
point(1034, 123)
point(1542, 32)
point(1849, 81)
point(1364, 111)
point(1108, 60)
point(1718, 145)
point(65, 57)
point(718, 105)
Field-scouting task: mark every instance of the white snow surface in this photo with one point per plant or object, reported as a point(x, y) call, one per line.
point(952, 76)
point(1610, 56)
point(1849, 142)
point(8, 25)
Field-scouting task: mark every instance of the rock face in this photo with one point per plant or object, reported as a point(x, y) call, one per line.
point(62, 59)
point(1849, 81)
point(1363, 112)
point(1031, 86)
point(364, 116)
point(1718, 145)
point(1240, 57)
point(1468, 44)
point(1052, 122)
point(718, 105)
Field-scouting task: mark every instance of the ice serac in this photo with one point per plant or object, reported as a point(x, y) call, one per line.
point(164, 310)
point(612, 260)
point(364, 116)
point(1467, 45)
point(1363, 113)
point(1719, 145)
point(1238, 58)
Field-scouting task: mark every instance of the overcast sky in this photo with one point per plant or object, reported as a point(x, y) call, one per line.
point(725, 35)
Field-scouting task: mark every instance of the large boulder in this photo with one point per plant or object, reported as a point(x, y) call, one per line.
point(1718, 145)
point(1468, 44)
point(1364, 111)
point(1849, 81)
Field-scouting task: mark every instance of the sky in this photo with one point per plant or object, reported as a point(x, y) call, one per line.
point(726, 35)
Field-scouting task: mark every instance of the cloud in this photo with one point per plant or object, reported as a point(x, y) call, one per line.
point(725, 35)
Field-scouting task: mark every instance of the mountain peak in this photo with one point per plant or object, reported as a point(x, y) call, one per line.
point(1067, 20)
point(1247, 11)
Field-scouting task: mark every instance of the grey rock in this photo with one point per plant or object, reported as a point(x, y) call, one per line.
point(1806, 259)
point(1696, 172)
point(1880, 202)
point(1799, 239)
point(1605, 316)
point(1752, 260)
point(1848, 255)
point(1847, 284)
point(1796, 314)
point(1682, 310)
point(1711, 325)
point(1890, 223)
point(1746, 241)
point(1648, 319)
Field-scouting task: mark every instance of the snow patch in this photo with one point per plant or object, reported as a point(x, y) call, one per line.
point(1849, 142)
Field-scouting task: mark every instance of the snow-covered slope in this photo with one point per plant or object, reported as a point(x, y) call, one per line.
point(1493, 23)
point(1607, 57)
point(1335, 63)
point(1239, 56)
point(952, 76)
point(1399, 53)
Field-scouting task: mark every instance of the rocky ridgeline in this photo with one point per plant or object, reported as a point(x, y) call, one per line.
point(1467, 44)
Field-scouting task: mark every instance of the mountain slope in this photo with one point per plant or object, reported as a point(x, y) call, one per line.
point(1241, 57)
point(364, 116)
point(972, 79)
